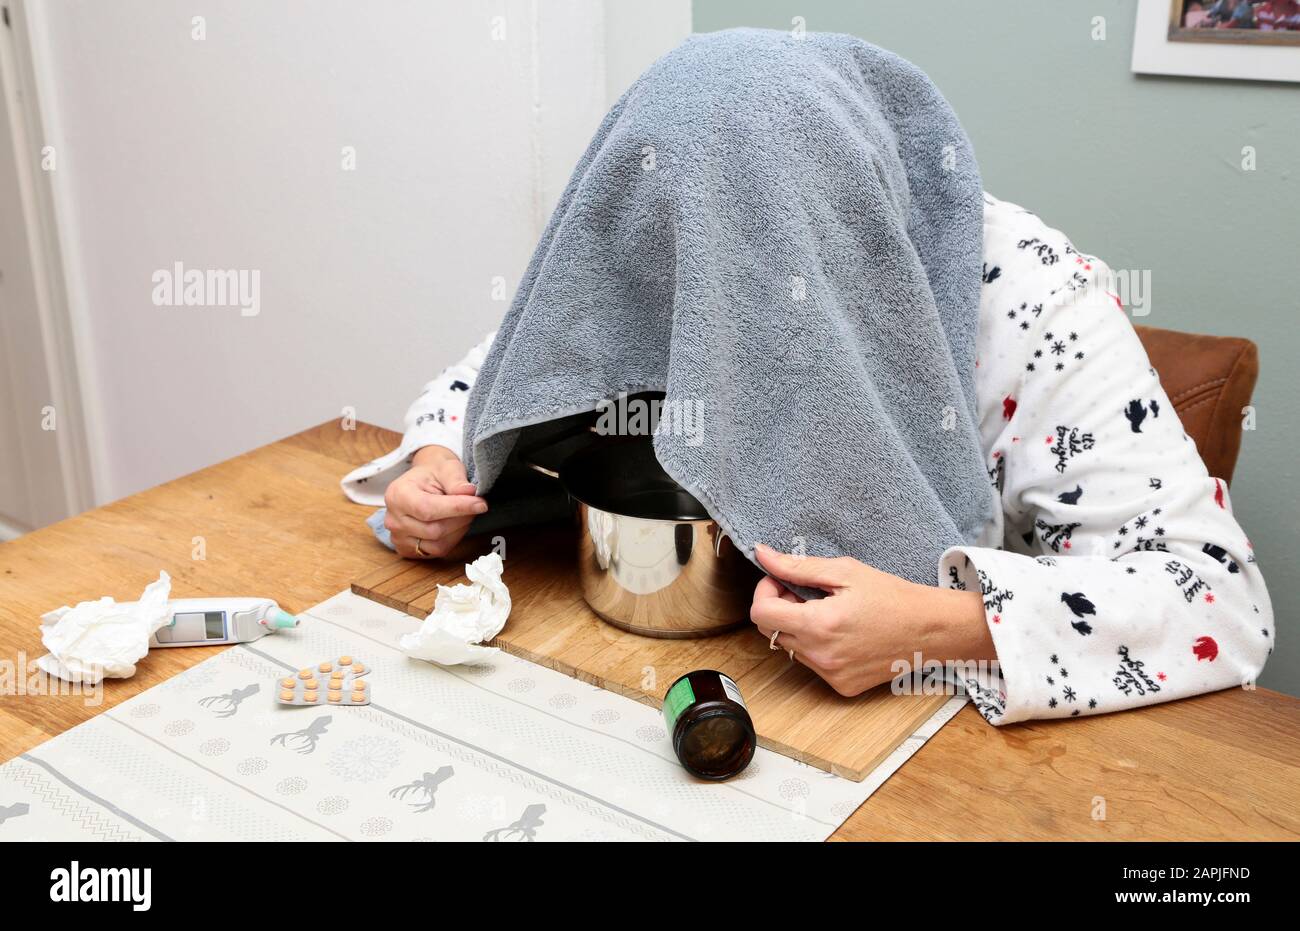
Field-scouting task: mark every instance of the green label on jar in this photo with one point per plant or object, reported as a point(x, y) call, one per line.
point(680, 697)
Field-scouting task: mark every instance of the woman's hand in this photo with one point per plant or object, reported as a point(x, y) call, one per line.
point(869, 620)
point(430, 506)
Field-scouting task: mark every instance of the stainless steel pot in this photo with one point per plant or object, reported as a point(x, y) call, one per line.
point(650, 559)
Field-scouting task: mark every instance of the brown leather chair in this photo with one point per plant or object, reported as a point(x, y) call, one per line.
point(1209, 379)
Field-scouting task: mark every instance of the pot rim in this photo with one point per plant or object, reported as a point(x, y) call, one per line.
point(653, 520)
point(580, 487)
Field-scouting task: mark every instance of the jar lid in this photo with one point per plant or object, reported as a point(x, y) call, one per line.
point(715, 744)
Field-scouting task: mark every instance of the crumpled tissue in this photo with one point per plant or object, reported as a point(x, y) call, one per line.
point(103, 639)
point(463, 617)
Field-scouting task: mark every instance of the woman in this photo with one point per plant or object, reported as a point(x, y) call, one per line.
point(1110, 575)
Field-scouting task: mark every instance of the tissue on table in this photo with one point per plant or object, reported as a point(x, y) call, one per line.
point(103, 639)
point(463, 617)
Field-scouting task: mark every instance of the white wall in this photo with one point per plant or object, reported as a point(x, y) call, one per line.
point(43, 457)
point(22, 372)
point(226, 153)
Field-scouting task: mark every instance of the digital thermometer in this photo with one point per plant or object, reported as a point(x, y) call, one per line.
point(212, 621)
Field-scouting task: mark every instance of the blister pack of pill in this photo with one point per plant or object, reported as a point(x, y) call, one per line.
point(332, 682)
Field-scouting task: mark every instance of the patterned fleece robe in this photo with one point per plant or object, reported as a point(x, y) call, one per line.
point(1113, 574)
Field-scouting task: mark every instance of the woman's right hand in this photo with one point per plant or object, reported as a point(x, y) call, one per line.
point(431, 505)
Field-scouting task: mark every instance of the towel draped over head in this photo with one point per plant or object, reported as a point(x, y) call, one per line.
point(783, 234)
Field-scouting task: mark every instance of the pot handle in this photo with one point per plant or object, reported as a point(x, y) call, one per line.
point(538, 467)
point(528, 456)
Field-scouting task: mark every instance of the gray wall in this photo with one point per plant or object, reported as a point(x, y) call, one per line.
point(1141, 171)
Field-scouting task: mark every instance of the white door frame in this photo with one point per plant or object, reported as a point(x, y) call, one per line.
point(49, 370)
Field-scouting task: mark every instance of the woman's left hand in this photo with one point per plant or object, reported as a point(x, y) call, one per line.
point(867, 622)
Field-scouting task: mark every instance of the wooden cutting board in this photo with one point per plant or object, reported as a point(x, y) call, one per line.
point(794, 712)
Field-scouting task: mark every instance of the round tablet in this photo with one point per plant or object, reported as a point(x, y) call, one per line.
point(358, 669)
point(345, 660)
point(335, 695)
point(311, 685)
point(335, 680)
point(358, 696)
point(359, 685)
point(306, 674)
point(310, 696)
point(289, 682)
point(286, 695)
point(325, 667)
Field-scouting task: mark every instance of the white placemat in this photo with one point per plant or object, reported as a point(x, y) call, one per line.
point(509, 751)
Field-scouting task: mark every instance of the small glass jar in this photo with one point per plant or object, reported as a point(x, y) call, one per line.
point(709, 725)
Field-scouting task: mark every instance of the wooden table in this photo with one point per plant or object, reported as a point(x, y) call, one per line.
point(273, 522)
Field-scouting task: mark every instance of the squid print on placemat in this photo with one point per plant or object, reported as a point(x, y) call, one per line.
point(226, 705)
point(524, 829)
point(423, 790)
point(305, 740)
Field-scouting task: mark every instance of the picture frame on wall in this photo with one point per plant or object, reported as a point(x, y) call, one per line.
point(1257, 40)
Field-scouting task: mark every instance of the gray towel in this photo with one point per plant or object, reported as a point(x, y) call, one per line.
point(784, 235)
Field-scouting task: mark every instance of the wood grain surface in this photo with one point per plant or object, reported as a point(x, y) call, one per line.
point(273, 522)
point(794, 712)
